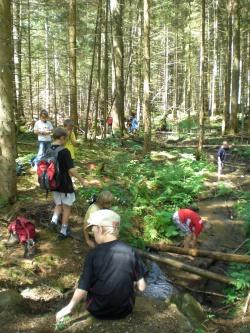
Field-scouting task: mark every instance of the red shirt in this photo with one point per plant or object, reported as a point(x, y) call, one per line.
point(110, 121)
point(192, 219)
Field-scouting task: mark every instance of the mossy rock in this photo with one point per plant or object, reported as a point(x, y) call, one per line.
point(12, 302)
point(192, 309)
point(245, 329)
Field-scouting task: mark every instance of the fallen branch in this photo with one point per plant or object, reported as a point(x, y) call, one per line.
point(245, 259)
point(188, 268)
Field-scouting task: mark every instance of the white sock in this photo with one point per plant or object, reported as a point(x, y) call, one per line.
point(55, 218)
point(64, 229)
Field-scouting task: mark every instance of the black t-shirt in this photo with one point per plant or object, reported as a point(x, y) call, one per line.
point(108, 276)
point(65, 163)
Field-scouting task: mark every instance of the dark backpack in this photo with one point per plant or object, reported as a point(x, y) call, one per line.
point(48, 170)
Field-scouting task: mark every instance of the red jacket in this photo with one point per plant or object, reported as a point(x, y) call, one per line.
point(192, 219)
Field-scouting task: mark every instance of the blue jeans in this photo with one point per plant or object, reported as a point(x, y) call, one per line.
point(42, 148)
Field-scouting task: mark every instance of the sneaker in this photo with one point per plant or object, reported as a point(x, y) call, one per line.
point(63, 236)
point(13, 240)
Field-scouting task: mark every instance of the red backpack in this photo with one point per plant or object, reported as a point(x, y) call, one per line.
point(48, 170)
point(24, 229)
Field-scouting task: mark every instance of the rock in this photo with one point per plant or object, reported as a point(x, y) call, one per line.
point(192, 309)
point(182, 324)
point(12, 302)
point(245, 329)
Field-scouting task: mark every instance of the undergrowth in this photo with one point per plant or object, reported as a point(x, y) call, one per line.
point(148, 192)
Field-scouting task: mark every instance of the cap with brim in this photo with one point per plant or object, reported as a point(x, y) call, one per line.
point(104, 218)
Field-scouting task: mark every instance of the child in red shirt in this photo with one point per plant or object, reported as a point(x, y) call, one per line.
point(189, 222)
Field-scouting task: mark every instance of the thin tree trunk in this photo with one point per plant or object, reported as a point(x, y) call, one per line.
point(215, 60)
point(203, 81)
point(229, 257)
point(99, 55)
point(29, 63)
point(91, 79)
point(47, 76)
point(236, 66)
point(248, 81)
point(18, 57)
point(166, 75)
point(72, 62)
point(227, 104)
point(7, 125)
point(117, 7)
point(54, 84)
point(105, 70)
point(138, 65)
point(146, 79)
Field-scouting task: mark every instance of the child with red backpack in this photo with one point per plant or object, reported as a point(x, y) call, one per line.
point(54, 174)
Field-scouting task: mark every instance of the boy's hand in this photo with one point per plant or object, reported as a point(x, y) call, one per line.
point(63, 312)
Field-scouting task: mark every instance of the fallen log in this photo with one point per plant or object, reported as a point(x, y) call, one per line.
point(188, 268)
point(244, 259)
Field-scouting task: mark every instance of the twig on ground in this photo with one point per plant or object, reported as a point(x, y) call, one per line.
point(246, 305)
point(199, 291)
point(243, 243)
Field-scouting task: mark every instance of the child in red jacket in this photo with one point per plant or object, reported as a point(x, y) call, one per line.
point(189, 222)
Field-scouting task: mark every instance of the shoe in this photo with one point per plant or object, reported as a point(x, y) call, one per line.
point(13, 240)
point(63, 236)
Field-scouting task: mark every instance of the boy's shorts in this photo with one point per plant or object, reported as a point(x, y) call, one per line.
point(182, 226)
point(64, 198)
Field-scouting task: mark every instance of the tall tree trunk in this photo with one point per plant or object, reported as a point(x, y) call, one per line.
point(91, 79)
point(236, 65)
point(47, 76)
point(146, 79)
point(203, 80)
point(105, 70)
point(99, 56)
point(30, 63)
point(7, 125)
point(166, 76)
point(138, 61)
point(54, 84)
point(117, 7)
point(228, 79)
point(248, 82)
point(18, 57)
point(72, 62)
point(215, 59)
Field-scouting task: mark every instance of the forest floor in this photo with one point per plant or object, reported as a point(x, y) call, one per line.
point(47, 280)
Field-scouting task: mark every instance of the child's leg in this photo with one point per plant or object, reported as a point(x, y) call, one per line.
point(57, 214)
point(68, 200)
point(187, 241)
point(66, 214)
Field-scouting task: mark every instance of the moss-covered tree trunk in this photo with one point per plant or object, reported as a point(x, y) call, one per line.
point(7, 126)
